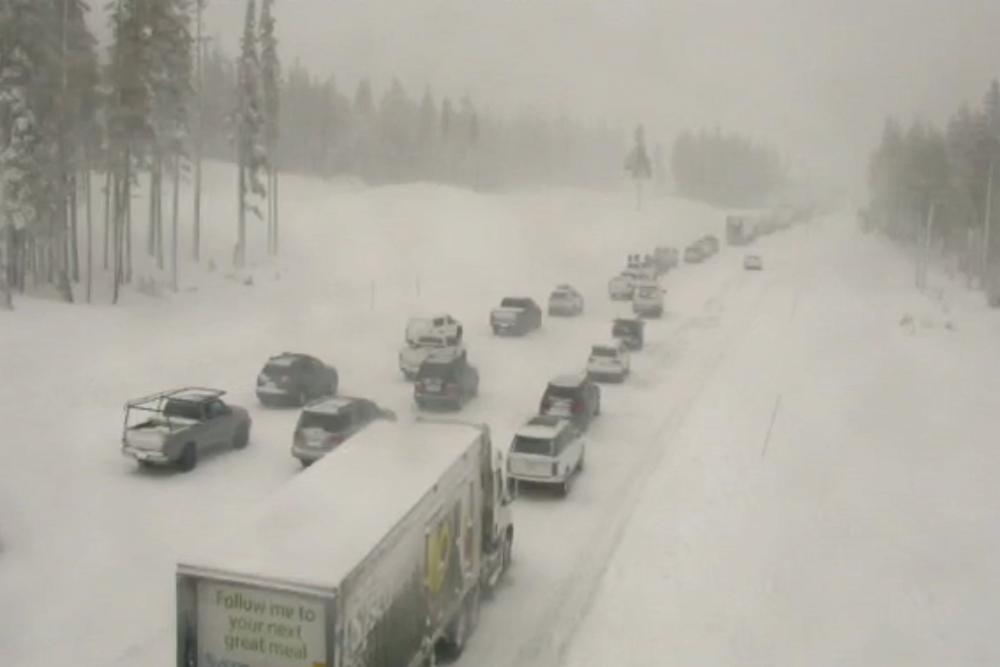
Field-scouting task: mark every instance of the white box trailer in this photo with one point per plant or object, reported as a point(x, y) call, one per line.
point(376, 556)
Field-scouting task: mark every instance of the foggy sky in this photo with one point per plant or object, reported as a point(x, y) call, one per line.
point(813, 77)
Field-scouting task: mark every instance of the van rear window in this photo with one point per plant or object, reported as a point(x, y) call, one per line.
point(539, 446)
point(331, 423)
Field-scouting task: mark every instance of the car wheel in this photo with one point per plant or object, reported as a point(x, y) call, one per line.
point(189, 458)
point(242, 437)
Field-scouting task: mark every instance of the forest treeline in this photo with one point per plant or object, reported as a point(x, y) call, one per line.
point(725, 169)
point(397, 135)
point(938, 185)
point(147, 108)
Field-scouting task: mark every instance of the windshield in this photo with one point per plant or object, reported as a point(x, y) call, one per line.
point(182, 409)
point(329, 422)
point(432, 341)
point(527, 445)
point(603, 351)
point(439, 371)
point(276, 369)
point(514, 303)
point(555, 391)
point(649, 292)
point(624, 329)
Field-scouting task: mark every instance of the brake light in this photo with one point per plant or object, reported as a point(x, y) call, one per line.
point(450, 387)
point(546, 404)
point(334, 439)
point(300, 439)
point(577, 407)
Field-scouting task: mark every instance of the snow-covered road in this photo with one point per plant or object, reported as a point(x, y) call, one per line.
point(687, 540)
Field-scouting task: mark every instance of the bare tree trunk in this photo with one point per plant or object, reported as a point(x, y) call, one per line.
point(159, 213)
point(173, 237)
point(197, 207)
point(241, 235)
point(199, 129)
point(151, 234)
point(90, 234)
point(277, 217)
point(7, 276)
point(107, 215)
point(74, 240)
point(270, 211)
point(127, 203)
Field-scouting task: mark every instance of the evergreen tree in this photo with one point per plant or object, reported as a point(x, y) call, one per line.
point(271, 93)
point(637, 163)
point(130, 129)
point(30, 124)
point(249, 117)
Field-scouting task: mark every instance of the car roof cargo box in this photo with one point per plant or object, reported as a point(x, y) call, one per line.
point(313, 531)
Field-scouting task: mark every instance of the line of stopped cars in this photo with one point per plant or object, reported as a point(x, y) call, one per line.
point(424, 508)
point(177, 427)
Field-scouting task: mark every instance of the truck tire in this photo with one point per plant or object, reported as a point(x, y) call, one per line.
point(188, 459)
point(507, 555)
point(462, 627)
point(241, 437)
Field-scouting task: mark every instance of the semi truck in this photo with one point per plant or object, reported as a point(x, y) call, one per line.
point(378, 555)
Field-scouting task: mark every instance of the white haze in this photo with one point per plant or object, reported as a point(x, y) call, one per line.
point(813, 77)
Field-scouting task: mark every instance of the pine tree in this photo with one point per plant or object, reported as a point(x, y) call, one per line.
point(251, 156)
point(30, 170)
point(637, 163)
point(271, 92)
point(130, 131)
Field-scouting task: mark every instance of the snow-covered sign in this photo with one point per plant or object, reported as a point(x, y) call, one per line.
point(242, 626)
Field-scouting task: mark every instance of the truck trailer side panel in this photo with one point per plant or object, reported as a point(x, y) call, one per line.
point(413, 583)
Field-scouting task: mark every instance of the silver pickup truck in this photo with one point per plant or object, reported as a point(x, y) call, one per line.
point(176, 427)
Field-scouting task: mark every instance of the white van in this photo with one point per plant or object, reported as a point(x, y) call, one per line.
point(547, 450)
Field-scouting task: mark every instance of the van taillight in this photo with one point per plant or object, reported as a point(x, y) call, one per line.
point(334, 439)
point(450, 387)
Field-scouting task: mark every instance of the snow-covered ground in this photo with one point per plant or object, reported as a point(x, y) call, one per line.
point(857, 534)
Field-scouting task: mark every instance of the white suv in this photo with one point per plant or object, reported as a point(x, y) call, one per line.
point(547, 450)
point(648, 299)
point(609, 362)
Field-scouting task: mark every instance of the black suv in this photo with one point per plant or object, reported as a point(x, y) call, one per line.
point(295, 378)
point(445, 381)
point(327, 423)
point(575, 397)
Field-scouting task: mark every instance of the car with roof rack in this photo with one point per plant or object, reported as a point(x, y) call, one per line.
point(294, 378)
point(547, 450)
point(326, 423)
point(175, 427)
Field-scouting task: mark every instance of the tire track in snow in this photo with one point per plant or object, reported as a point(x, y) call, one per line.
point(569, 605)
